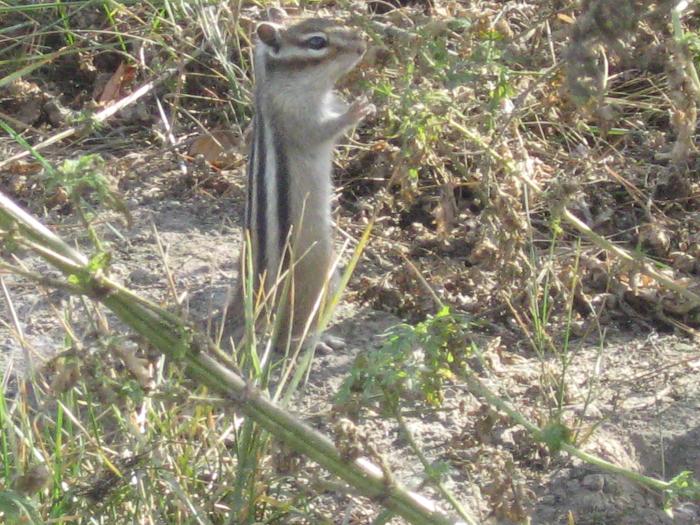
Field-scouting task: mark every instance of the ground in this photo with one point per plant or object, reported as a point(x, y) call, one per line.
point(645, 390)
point(481, 242)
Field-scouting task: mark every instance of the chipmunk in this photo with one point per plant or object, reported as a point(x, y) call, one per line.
point(297, 121)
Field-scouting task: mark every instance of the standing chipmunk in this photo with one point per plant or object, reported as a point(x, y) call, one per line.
point(297, 122)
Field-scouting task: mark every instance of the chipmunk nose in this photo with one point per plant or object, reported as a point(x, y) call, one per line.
point(358, 44)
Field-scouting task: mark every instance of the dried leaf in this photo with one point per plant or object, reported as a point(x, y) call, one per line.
point(217, 147)
point(654, 238)
point(138, 366)
point(65, 379)
point(115, 87)
point(563, 17)
point(446, 211)
point(22, 167)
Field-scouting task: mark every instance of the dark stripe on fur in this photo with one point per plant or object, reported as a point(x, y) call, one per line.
point(281, 65)
point(283, 211)
point(260, 229)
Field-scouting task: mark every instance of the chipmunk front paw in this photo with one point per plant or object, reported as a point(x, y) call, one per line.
point(360, 109)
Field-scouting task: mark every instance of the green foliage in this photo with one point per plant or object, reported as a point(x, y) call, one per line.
point(416, 110)
point(80, 177)
point(413, 363)
point(683, 486)
point(438, 470)
point(9, 242)
point(18, 509)
point(99, 261)
point(554, 434)
point(448, 73)
point(86, 279)
point(692, 40)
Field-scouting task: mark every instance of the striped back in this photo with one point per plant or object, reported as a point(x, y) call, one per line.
point(299, 64)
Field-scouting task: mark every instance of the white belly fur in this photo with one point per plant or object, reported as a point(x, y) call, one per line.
point(310, 197)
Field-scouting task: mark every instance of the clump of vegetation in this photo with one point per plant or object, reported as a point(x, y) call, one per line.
point(412, 365)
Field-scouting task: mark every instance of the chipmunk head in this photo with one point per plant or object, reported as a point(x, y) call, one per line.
point(316, 51)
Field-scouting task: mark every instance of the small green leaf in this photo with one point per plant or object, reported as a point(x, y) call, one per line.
point(438, 470)
point(99, 261)
point(554, 434)
point(683, 486)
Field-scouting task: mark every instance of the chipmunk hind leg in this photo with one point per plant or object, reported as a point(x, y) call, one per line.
point(318, 285)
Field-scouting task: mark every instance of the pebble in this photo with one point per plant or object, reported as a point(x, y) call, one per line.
point(548, 499)
point(594, 482)
point(572, 486)
point(141, 276)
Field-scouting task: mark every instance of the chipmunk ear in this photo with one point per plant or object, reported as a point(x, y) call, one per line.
point(276, 15)
point(269, 34)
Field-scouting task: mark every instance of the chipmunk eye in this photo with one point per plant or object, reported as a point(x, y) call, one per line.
point(317, 42)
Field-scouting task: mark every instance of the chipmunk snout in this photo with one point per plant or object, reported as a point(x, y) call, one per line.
point(357, 44)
